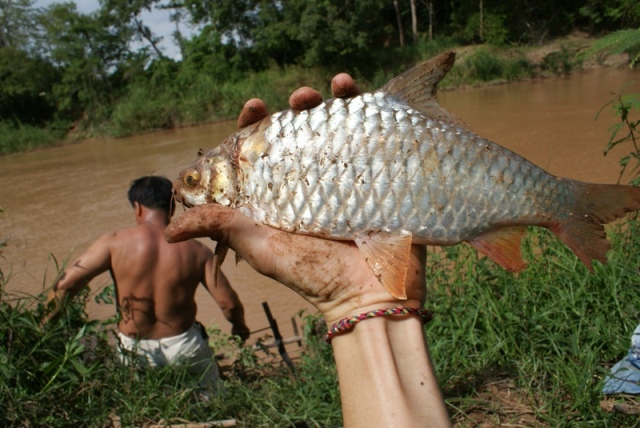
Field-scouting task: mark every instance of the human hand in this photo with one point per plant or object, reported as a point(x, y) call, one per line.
point(332, 275)
point(342, 86)
point(242, 331)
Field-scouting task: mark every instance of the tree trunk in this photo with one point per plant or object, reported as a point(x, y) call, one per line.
point(400, 29)
point(414, 22)
point(146, 34)
point(430, 20)
point(481, 21)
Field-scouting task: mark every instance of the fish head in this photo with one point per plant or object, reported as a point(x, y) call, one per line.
point(210, 179)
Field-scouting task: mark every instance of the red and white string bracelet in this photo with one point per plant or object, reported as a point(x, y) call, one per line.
point(346, 324)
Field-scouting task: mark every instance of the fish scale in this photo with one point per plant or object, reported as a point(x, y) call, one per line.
point(353, 185)
point(391, 168)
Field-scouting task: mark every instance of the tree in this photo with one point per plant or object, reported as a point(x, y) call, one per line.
point(26, 78)
point(25, 91)
point(128, 13)
point(234, 20)
point(92, 52)
point(17, 23)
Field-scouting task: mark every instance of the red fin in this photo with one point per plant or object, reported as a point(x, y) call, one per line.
point(219, 255)
point(502, 246)
point(388, 257)
point(596, 205)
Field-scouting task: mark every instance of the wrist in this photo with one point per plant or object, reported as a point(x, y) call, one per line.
point(347, 324)
point(356, 306)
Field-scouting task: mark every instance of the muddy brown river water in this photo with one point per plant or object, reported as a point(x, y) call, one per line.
point(59, 200)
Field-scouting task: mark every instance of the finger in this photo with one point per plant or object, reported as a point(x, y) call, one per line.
point(343, 86)
point(210, 220)
point(253, 111)
point(305, 98)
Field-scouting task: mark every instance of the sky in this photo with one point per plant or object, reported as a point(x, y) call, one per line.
point(157, 20)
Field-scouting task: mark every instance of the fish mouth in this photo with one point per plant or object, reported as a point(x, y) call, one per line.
point(177, 198)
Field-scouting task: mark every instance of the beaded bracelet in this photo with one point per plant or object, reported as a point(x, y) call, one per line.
point(346, 324)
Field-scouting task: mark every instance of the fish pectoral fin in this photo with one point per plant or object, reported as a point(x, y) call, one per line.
point(387, 255)
point(219, 255)
point(503, 247)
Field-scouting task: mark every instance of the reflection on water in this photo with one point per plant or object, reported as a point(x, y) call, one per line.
point(57, 201)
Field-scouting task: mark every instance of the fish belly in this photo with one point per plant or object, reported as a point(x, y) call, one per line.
point(372, 164)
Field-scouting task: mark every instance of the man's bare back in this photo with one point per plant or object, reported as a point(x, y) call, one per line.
point(155, 281)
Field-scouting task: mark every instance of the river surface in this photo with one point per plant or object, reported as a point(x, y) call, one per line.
point(58, 201)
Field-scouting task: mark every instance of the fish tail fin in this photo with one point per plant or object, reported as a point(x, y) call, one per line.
point(595, 206)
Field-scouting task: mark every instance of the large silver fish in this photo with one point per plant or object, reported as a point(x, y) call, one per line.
point(390, 168)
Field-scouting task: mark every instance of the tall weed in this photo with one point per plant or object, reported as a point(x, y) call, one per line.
point(16, 137)
point(625, 132)
point(553, 330)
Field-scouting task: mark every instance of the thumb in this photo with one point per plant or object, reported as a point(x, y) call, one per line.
point(210, 220)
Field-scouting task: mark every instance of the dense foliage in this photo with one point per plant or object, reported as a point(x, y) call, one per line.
point(65, 72)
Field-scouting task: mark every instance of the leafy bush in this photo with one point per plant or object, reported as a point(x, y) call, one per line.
point(622, 41)
point(558, 62)
point(16, 137)
point(625, 106)
point(494, 31)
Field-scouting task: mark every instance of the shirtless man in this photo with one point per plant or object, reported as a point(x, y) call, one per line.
point(155, 285)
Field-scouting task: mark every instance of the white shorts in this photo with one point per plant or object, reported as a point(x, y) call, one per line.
point(188, 348)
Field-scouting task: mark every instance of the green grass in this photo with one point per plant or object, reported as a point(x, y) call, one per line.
point(553, 330)
point(546, 336)
point(16, 137)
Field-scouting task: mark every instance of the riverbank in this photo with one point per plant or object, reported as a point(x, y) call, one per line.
point(204, 101)
point(498, 66)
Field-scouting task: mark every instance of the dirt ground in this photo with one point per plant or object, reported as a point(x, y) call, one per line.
point(576, 42)
point(500, 404)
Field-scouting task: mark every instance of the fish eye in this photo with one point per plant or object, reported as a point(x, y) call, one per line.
point(191, 178)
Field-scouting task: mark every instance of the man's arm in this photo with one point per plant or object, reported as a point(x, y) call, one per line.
point(227, 299)
point(93, 262)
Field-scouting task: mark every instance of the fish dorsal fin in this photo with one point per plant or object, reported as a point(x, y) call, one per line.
point(503, 247)
point(387, 255)
point(417, 87)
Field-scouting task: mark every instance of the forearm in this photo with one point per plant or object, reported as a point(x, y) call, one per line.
point(235, 315)
point(386, 376)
